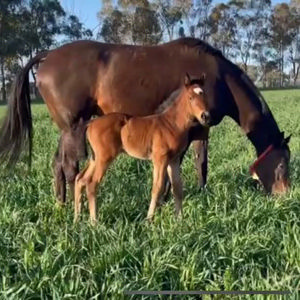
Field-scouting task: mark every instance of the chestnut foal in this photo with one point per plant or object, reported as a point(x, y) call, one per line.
point(162, 138)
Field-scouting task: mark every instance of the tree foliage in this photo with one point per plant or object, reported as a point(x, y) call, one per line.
point(30, 26)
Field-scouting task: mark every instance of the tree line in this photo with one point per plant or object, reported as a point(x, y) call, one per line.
point(263, 38)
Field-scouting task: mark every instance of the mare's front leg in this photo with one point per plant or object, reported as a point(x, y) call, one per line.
point(199, 135)
point(159, 174)
point(176, 182)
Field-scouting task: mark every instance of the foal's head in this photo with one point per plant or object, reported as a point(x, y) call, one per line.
point(194, 95)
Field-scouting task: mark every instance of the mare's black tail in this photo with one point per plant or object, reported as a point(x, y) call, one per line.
point(16, 129)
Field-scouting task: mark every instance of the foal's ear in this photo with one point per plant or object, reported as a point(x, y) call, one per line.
point(202, 78)
point(187, 79)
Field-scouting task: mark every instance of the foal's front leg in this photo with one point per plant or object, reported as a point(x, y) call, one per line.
point(81, 181)
point(159, 173)
point(176, 182)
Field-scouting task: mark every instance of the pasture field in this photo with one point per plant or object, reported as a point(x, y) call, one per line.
point(232, 237)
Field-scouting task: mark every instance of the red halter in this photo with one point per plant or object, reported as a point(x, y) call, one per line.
point(260, 159)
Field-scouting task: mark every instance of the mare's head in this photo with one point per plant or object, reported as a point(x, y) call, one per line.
point(195, 99)
point(271, 167)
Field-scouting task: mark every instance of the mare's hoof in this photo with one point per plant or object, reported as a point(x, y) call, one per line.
point(202, 186)
point(61, 203)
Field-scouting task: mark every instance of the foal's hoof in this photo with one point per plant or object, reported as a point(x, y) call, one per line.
point(149, 219)
point(93, 222)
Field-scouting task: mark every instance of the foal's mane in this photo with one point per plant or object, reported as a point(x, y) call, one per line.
point(172, 98)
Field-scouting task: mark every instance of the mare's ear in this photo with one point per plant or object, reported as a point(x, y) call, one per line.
point(287, 139)
point(202, 78)
point(187, 79)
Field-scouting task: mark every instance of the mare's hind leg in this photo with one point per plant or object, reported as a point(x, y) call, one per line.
point(59, 176)
point(71, 169)
point(66, 163)
point(174, 175)
point(73, 150)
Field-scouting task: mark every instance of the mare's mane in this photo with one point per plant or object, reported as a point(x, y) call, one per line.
point(231, 68)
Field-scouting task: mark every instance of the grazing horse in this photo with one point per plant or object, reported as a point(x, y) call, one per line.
point(162, 138)
point(86, 78)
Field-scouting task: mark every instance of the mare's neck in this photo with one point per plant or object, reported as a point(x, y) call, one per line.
point(178, 114)
point(253, 114)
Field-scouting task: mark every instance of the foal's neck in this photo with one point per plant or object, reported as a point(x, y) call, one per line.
point(178, 114)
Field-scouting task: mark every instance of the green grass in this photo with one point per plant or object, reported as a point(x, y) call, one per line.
point(232, 237)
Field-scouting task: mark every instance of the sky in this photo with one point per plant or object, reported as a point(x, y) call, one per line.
point(87, 11)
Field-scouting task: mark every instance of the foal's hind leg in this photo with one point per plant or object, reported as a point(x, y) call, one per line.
point(176, 182)
point(90, 177)
point(91, 187)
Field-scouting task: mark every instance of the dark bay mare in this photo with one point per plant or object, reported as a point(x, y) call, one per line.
point(88, 78)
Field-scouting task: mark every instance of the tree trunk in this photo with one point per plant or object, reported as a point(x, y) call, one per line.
point(3, 80)
point(33, 76)
point(282, 66)
point(296, 74)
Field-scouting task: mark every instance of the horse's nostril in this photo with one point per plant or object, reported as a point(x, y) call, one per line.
point(205, 117)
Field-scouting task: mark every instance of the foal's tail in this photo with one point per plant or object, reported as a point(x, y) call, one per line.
point(16, 129)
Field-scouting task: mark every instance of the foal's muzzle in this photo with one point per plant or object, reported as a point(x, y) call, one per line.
point(205, 118)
